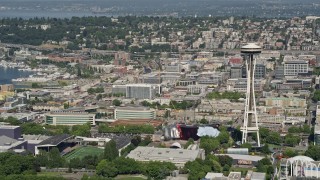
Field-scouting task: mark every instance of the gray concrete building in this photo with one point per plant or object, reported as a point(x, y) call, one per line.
point(13, 132)
point(177, 156)
point(142, 91)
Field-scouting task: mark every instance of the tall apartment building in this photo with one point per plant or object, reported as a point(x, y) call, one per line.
point(295, 67)
point(142, 91)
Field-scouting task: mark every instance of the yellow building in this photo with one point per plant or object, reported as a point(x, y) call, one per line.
point(5, 94)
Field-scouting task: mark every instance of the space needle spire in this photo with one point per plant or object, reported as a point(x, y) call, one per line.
point(250, 123)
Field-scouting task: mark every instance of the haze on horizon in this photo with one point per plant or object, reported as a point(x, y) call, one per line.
point(179, 8)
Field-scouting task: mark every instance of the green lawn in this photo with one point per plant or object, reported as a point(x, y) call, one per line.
point(84, 151)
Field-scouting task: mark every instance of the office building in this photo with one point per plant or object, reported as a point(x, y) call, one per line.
point(131, 113)
point(173, 68)
point(142, 91)
point(296, 67)
point(119, 89)
point(259, 72)
point(279, 72)
point(240, 84)
point(285, 102)
point(150, 78)
point(236, 71)
point(69, 118)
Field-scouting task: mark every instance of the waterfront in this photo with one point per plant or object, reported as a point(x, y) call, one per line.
point(7, 74)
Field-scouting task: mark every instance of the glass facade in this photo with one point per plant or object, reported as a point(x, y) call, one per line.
point(130, 114)
point(70, 119)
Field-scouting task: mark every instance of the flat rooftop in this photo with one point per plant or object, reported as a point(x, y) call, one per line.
point(234, 175)
point(242, 157)
point(164, 154)
point(8, 127)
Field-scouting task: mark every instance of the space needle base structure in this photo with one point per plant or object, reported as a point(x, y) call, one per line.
point(250, 122)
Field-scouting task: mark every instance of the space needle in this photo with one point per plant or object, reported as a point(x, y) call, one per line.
point(250, 122)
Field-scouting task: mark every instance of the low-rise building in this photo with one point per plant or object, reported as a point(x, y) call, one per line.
point(240, 85)
point(177, 156)
point(131, 113)
point(286, 102)
point(69, 118)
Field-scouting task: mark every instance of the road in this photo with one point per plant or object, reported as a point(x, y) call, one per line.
point(231, 51)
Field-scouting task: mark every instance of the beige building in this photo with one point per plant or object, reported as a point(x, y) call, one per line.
point(47, 107)
point(286, 102)
point(6, 87)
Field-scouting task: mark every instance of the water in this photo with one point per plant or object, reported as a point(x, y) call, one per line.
point(7, 74)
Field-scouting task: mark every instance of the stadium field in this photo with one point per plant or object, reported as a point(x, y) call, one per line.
point(83, 151)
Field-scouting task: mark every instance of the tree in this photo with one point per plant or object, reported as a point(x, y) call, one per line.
point(274, 138)
point(197, 169)
point(107, 169)
point(264, 132)
point(265, 165)
point(158, 170)
point(99, 96)
point(204, 121)
point(316, 96)
point(265, 149)
point(247, 145)
point(313, 152)
point(66, 105)
point(136, 140)
point(79, 71)
point(81, 130)
point(209, 144)
point(223, 137)
point(306, 129)
point(290, 152)
point(190, 141)
point(122, 163)
point(35, 85)
point(291, 140)
point(116, 102)
point(54, 158)
point(110, 151)
point(225, 160)
point(294, 129)
point(91, 90)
